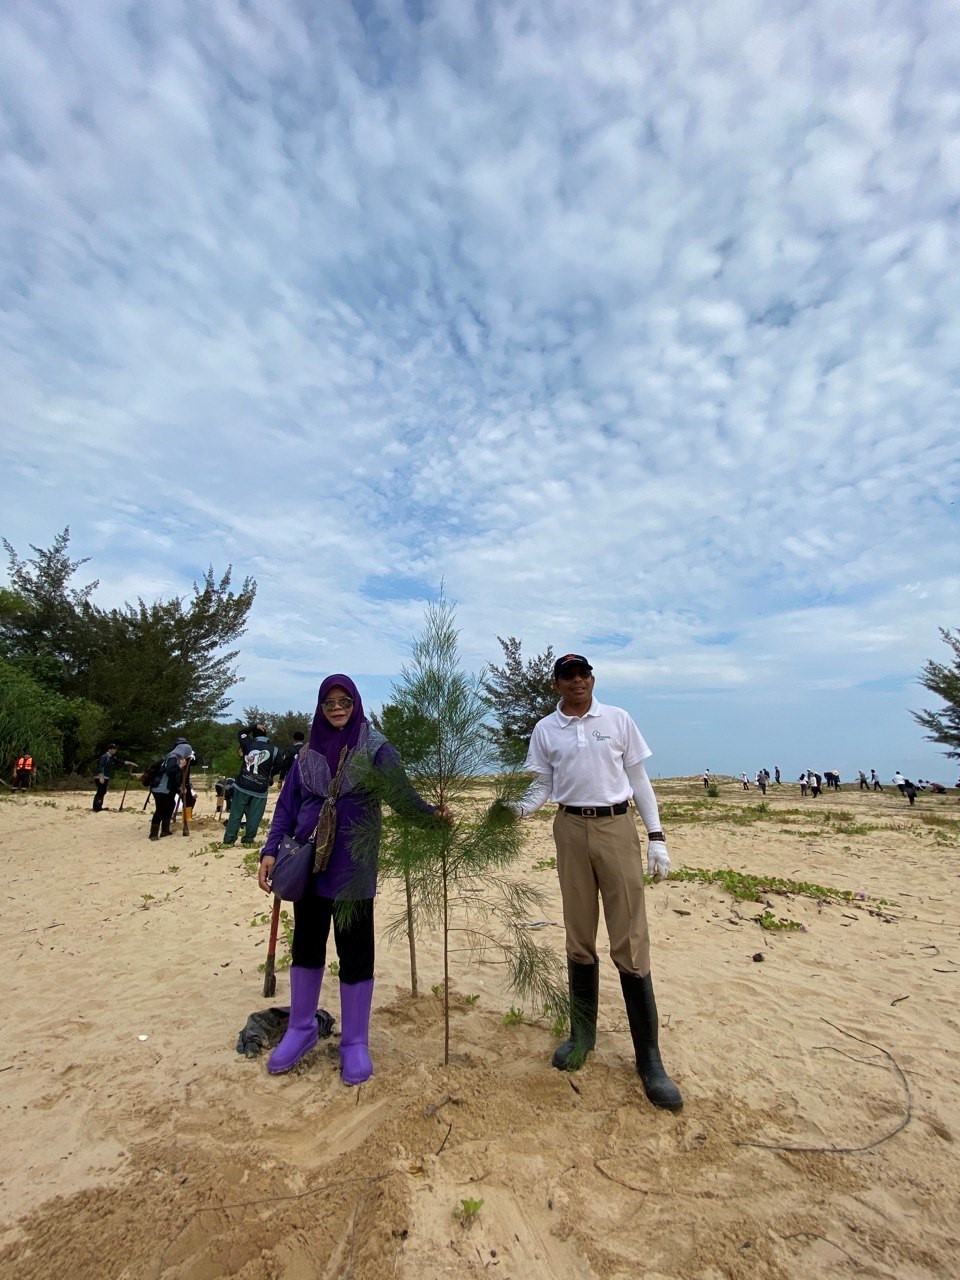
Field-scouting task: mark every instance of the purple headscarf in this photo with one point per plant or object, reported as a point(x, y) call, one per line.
point(323, 736)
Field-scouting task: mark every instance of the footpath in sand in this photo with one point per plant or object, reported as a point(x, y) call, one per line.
point(135, 1142)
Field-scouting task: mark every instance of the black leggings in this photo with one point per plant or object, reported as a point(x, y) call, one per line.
point(165, 802)
point(311, 928)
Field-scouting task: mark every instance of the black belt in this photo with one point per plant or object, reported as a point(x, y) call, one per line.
point(596, 810)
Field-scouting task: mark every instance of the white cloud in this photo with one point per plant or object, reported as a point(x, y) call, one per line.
point(624, 322)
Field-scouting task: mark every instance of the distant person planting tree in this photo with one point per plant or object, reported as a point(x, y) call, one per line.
point(108, 762)
point(174, 770)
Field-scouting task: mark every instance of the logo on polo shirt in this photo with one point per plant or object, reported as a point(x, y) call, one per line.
point(601, 737)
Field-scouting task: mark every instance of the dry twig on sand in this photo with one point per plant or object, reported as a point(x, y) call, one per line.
point(842, 1151)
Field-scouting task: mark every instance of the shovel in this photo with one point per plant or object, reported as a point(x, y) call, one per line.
point(126, 782)
point(269, 972)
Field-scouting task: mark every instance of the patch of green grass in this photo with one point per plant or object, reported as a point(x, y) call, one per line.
point(935, 820)
point(513, 1017)
point(769, 921)
point(545, 864)
point(673, 812)
point(205, 850)
point(854, 828)
point(472, 999)
point(754, 888)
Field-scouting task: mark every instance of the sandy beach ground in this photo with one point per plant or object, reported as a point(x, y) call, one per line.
point(136, 1142)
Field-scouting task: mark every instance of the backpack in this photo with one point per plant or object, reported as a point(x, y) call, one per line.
point(153, 773)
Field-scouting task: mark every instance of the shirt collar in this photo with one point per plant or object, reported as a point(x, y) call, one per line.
point(593, 710)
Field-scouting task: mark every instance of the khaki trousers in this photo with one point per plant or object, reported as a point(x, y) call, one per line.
point(602, 855)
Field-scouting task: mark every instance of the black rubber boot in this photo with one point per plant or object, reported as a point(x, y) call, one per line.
point(584, 996)
point(644, 1025)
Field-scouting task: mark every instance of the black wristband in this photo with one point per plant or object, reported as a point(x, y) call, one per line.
point(656, 835)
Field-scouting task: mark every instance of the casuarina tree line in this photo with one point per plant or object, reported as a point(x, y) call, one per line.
point(74, 676)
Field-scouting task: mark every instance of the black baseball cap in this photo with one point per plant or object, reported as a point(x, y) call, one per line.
point(563, 666)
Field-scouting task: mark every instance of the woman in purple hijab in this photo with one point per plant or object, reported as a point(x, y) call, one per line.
point(340, 731)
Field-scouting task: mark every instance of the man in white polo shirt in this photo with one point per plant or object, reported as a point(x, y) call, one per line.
point(589, 758)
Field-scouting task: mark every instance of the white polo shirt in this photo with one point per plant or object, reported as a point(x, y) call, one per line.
point(586, 757)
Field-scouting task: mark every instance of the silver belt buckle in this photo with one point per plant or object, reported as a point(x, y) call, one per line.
point(587, 812)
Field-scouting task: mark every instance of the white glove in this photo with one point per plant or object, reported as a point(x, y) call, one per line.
point(658, 860)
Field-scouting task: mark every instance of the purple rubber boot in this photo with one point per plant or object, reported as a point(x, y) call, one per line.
point(355, 1000)
point(302, 1032)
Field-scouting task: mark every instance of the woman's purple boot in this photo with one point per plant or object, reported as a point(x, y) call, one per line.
point(355, 1001)
point(302, 1031)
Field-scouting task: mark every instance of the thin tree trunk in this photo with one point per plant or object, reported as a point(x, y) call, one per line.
point(446, 970)
point(410, 935)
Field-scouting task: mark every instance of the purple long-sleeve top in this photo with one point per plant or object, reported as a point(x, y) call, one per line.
point(352, 869)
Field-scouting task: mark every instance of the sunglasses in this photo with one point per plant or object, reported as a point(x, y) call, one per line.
point(574, 675)
point(332, 704)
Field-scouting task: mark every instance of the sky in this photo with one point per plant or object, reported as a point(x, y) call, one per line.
point(636, 325)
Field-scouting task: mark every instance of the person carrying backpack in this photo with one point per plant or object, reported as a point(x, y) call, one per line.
point(251, 784)
point(169, 784)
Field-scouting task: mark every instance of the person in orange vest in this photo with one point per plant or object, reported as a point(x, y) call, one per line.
point(24, 774)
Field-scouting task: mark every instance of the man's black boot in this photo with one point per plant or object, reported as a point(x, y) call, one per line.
point(584, 996)
point(644, 1025)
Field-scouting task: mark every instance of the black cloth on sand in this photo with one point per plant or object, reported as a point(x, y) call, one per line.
point(265, 1029)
